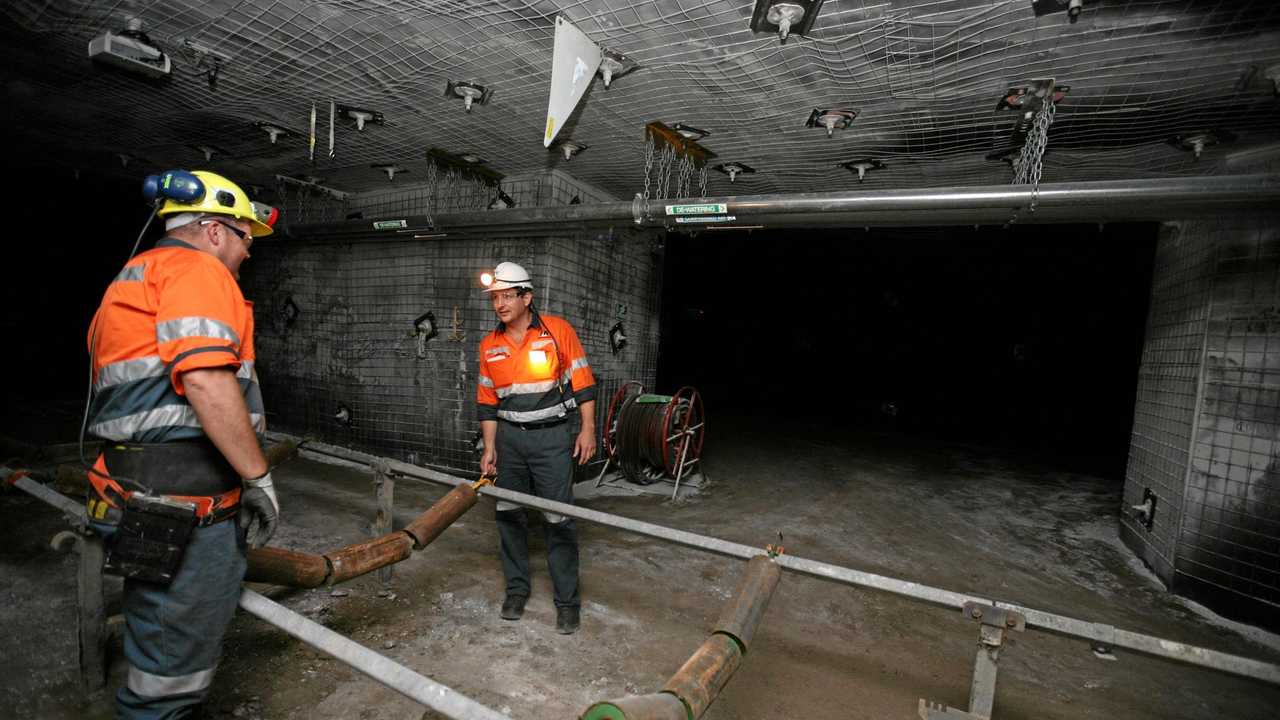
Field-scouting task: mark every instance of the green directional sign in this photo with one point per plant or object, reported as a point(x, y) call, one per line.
point(701, 209)
point(390, 224)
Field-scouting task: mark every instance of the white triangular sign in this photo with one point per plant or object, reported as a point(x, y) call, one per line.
point(573, 67)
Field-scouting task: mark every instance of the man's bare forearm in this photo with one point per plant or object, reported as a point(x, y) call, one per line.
point(215, 395)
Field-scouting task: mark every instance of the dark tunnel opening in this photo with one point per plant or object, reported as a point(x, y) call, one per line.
point(1026, 339)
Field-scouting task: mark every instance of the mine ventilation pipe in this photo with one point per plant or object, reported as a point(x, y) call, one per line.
point(297, 569)
point(1096, 633)
point(697, 684)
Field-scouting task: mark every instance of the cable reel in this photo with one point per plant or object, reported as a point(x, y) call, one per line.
point(651, 437)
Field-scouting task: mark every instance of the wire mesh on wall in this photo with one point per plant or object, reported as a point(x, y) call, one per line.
point(301, 202)
point(1231, 531)
point(343, 357)
point(1165, 410)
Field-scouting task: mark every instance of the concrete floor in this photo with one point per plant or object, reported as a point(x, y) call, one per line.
point(959, 518)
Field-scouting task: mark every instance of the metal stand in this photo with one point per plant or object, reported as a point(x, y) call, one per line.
point(682, 464)
point(91, 613)
point(384, 488)
point(994, 621)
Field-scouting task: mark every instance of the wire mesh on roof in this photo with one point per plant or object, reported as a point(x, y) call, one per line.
point(923, 75)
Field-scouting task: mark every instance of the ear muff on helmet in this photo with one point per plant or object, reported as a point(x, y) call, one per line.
point(223, 197)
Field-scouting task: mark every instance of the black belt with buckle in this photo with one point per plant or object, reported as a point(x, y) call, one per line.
point(537, 425)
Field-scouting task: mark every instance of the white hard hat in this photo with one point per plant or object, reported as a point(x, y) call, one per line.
point(507, 275)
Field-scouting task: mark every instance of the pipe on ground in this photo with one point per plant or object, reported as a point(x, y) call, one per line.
point(361, 558)
point(281, 452)
point(697, 684)
point(412, 685)
point(1037, 619)
point(741, 615)
point(278, 566)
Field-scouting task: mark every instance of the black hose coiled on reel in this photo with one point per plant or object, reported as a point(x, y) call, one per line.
point(648, 442)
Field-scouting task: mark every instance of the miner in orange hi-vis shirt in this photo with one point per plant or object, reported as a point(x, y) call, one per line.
point(177, 405)
point(533, 374)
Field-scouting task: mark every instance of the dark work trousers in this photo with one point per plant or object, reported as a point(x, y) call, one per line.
point(174, 635)
point(538, 461)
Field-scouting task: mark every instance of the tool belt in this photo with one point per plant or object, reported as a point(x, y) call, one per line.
point(175, 488)
point(184, 471)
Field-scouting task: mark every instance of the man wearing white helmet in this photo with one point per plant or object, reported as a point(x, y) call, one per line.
point(533, 373)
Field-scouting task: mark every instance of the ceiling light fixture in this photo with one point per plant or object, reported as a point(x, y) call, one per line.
point(832, 119)
point(734, 169)
point(131, 50)
point(785, 17)
point(274, 131)
point(862, 166)
point(471, 158)
point(1197, 142)
point(688, 132)
point(568, 148)
point(469, 92)
point(360, 115)
point(615, 65)
point(390, 169)
point(203, 150)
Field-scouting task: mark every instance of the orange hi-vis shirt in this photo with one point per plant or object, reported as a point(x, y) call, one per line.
point(171, 309)
point(533, 383)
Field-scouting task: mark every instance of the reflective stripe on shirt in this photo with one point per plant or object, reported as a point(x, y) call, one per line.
point(195, 326)
point(129, 370)
point(133, 273)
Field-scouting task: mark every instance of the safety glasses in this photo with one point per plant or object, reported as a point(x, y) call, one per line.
point(239, 233)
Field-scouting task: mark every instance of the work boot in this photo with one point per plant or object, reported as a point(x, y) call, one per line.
point(513, 607)
point(567, 620)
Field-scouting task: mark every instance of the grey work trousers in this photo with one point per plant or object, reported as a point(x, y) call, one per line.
point(173, 635)
point(538, 461)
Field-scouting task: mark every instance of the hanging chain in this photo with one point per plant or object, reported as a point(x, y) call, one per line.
point(1029, 165)
point(702, 180)
point(664, 170)
point(684, 174)
point(649, 150)
point(433, 178)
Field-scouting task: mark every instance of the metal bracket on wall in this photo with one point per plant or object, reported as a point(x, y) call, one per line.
point(994, 622)
point(425, 328)
point(457, 335)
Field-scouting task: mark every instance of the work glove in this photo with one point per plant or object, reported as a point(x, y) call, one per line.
point(258, 500)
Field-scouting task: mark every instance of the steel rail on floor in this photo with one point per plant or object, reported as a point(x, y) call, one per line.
point(400, 678)
point(1098, 634)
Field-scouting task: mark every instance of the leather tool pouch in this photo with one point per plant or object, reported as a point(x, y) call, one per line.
point(151, 539)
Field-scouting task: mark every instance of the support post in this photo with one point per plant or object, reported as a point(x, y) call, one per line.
point(384, 489)
point(91, 613)
point(993, 623)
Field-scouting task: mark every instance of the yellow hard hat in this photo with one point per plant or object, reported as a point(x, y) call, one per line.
point(221, 197)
